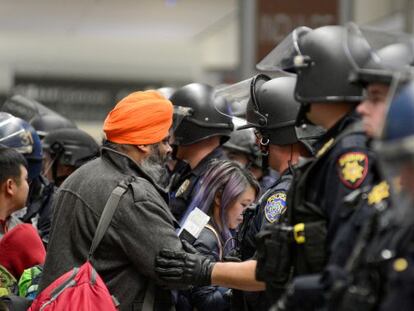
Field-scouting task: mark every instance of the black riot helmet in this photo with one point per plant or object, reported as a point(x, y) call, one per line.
point(70, 146)
point(43, 119)
point(243, 141)
point(272, 109)
point(389, 53)
point(319, 60)
point(204, 120)
point(45, 124)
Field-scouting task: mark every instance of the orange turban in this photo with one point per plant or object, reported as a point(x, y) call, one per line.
point(141, 118)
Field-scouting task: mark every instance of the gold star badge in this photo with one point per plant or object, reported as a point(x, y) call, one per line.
point(352, 171)
point(379, 193)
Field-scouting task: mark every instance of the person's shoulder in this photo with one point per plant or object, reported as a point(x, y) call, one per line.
point(143, 189)
point(207, 243)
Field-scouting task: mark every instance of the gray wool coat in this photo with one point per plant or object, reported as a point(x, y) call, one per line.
point(142, 225)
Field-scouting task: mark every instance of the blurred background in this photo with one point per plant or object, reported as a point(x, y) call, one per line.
point(79, 57)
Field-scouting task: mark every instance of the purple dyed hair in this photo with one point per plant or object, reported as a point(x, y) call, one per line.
point(230, 180)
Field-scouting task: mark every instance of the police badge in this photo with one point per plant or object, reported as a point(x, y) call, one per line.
point(275, 206)
point(182, 188)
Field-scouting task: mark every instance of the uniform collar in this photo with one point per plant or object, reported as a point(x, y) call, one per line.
point(339, 126)
point(217, 153)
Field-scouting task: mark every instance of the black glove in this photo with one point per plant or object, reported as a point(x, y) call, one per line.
point(184, 268)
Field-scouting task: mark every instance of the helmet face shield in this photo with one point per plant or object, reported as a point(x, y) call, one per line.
point(242, 103)
point(237, 96)
point(282, 57)
point(19, 135)
point(387, 52)
point(197, 115)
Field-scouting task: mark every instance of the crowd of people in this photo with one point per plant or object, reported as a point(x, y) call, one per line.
point(296, 195)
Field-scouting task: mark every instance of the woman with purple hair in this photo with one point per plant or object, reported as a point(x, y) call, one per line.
point(224, 192)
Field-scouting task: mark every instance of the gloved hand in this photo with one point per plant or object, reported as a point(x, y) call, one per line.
point(187, 267)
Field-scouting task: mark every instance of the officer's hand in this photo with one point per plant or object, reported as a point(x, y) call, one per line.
point(184, 268)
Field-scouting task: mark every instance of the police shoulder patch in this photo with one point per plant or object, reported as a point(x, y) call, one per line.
point(353, 168)
point(182, 188)
point(275, 206)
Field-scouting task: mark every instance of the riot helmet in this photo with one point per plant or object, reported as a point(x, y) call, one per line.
point(70, 147)
point(318, 58)
point(43, 119)
point(73, 147)
point(203, 120)
point(272, 110)
point(388, 53)
point(45, 124)
point(19, 135)
point(243, 142)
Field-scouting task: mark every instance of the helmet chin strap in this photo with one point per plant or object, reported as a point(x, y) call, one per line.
point(290, 165)
point(54, 166)
point(264, 150)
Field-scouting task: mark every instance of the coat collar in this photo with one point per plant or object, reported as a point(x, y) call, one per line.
point(128, 166)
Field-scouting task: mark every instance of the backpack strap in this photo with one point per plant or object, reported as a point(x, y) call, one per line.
point(211, 228)
point(107, 214)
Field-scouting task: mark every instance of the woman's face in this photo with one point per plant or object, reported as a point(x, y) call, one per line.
point(235, 211)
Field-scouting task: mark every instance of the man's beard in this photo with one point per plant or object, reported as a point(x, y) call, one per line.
point(154, 166)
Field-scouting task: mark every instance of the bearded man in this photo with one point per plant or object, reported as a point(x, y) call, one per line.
point(136, 147)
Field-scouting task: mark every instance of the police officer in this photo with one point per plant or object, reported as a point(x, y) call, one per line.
point(371, 204)
point(198, 139)
point(66, 150)
point(342, 162)
point(18, 134)
point(396, 150)
point(272, 111)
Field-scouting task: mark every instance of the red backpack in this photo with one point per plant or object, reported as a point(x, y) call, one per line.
point(82, 288)
point(79, 289)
